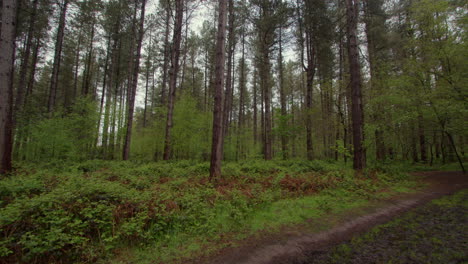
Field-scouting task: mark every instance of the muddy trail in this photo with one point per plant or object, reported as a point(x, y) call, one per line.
point(302, 247)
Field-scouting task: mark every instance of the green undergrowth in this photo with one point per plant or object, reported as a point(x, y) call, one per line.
point(110, 211)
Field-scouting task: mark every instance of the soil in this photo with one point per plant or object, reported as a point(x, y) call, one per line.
point(434, 233)
point(301, 246)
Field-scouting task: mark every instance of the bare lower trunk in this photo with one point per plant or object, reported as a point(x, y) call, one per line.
point(57, 58)
point(242, 82)
point(25, 61)
point(255, 109)
point(267, 100)
point(217, 139)
point(422, 139)
point(284, 139)
point(228, 91)
point(7, 55)
point(355, 72)
point(133, 86)
point(166, 56)
point(173, 76)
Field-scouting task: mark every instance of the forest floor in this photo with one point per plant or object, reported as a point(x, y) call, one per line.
point(437, 228)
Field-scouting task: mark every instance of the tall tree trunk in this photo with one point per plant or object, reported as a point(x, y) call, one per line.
point(167, 52)
point(173, 76)
point(352, 12)
point(25, 60)
point(422, 138)
point(374, 76)
point(414, 149)
point(103, 93)
point(205, 77)
point(7, 45)
point(77, 66)
point(32, 73)
point(255, 109)
point(307, 44)
point(217, 140)
point(146, 93)
point(185, 48)
point(134, 84)
point(88, 70)
point(267, 110)
point(57, 58)
point(242, 82)
point(284, 138)
point(228, 91)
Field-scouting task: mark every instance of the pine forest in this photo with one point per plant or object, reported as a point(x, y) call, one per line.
point(164, 131)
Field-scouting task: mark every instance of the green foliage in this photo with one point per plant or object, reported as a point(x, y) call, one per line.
point(65, 136)
point(86, 210)
point(192, 128)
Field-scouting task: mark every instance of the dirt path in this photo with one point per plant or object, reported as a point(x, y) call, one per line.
point(293, 247)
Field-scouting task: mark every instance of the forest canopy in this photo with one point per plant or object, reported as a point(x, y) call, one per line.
point(372, 81)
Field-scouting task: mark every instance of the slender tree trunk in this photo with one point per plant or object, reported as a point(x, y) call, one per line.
point(173, 75)
point(228, 91)
point(352, 12)
point(88, 70)
point(77, 66)
point(242, 81)
point(57, 58)
point(414, 149)
point(146, 93)
point(293, 125)
point(267, 101)
point(134, 84)
point(185, 49)
point(167, 52)
point(7, 55)
point(103, 94)
point(374, 76)
point(436, 145)
point(217, 140)
point(422, 138)
point(310, 73)
point(284, 138)
point(454, 148)
point(205, 100)
point(255, 109)
point(25, 61)
point(32, 73)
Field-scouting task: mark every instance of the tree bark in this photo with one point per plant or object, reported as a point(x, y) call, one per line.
point(284, 138)
point(7, 55)
point(307, 44)
point(242, 81)
point(255, 109)
point(422, 138)
point(133, 87)
point(352, 11)
point(88, 70)
point(217, 140)
point(228, 91)
point(166, 55)
point(175, 53)
point(25, 61)
point(104, 85)
point(57, 58)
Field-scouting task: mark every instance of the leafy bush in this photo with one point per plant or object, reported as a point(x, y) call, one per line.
point(91, 208)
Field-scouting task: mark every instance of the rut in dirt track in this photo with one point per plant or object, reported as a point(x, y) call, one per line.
point(295, 249)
